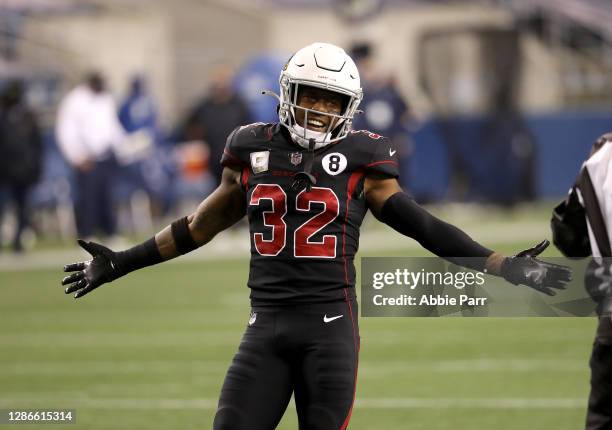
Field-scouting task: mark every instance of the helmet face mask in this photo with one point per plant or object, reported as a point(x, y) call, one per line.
point(325, 67)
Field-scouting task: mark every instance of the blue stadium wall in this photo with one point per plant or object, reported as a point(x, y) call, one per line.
point(562, 142)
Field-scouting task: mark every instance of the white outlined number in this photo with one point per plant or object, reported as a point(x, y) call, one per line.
point(303, 245)
point(272, 218)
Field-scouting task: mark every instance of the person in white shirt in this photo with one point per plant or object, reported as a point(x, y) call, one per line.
point(88, 131)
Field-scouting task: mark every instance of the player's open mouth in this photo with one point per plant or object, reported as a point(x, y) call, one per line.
point(316, 125)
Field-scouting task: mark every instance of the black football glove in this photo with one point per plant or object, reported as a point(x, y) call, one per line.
point(89, 275)
point(524, 268)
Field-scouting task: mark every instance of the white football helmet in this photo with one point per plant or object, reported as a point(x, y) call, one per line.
point(324, 66)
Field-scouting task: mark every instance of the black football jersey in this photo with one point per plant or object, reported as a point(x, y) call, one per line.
point(303, 243)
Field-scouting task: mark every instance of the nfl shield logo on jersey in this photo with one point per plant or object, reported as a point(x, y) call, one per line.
point(295, 158)
point(259, 161)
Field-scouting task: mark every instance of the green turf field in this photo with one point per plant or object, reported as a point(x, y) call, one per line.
point(151, 350)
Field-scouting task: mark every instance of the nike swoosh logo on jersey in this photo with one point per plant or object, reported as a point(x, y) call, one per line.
point(326, 320)
point(392, 152)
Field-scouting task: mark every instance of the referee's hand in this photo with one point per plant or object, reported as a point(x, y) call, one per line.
point(88, 275)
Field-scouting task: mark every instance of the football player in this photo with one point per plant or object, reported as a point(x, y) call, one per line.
point(305, 184)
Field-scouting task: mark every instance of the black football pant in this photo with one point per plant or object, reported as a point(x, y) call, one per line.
point(94, 206)
point(309, 351)
point(599, 415)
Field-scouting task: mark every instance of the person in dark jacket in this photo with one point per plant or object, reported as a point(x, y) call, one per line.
point(20, 154)
point(216, 116)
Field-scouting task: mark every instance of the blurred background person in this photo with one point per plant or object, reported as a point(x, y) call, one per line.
point(385, 111)
point(88, 131)
point(140, 182)
point(215, 116)
point(20, 156)
point(138, 110)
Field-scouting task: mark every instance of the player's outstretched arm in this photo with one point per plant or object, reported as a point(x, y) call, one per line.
point(391, 205)
point(223, 208)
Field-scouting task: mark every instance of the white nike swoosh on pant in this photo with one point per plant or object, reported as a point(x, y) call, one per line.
point(326, 320)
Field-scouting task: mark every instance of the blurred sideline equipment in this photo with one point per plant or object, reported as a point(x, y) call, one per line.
point(305, 207)
point(88, 132)
point(581, 222)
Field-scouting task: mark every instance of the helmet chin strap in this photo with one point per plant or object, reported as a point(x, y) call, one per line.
point(305, 179)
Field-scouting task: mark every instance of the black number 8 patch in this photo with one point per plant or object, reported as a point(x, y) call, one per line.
point(334, 163)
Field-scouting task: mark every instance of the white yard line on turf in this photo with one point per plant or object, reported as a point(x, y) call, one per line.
point(235, 244)
point(366, 403)
point(367, 369)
